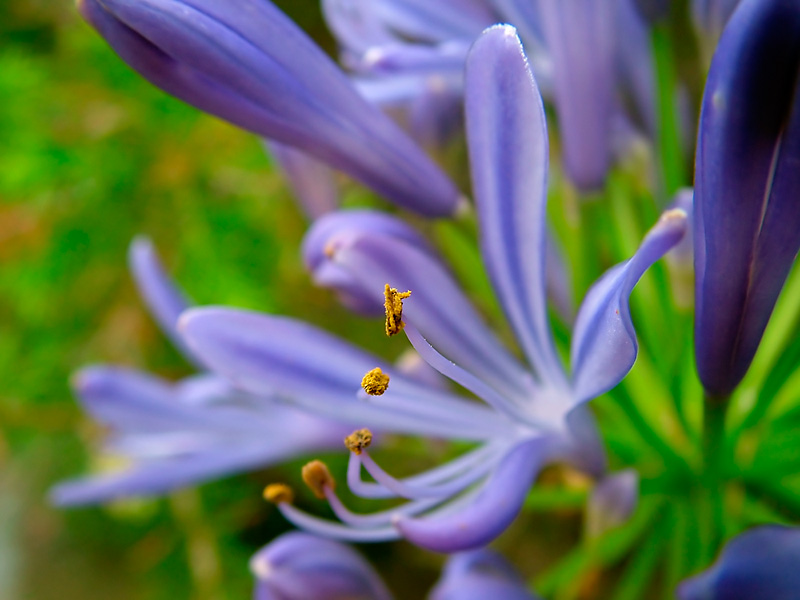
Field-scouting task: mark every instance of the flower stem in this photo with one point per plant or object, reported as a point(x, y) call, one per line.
point(714, 411)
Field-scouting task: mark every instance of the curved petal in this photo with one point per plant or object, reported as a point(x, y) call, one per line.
point(437, 307)
point(478, 575)
point(488, 515)
point(164, 299)
point(507, 136)
point(604, 345)
point(760, 563)
point(300, 566)
point(356, 24)
point(246, 62)
point(437, 21)
point(747, 232)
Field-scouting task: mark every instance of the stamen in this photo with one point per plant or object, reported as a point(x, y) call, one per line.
point(375, 382)
point(278, 493)
point(317, 476)
point(394, 309)
point(358, 441)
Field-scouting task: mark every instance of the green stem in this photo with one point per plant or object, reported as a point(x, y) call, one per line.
point(714, 410)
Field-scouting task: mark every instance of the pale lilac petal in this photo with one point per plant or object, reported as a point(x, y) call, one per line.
point(479, 575)
point(579, 35)
point(507, 136)
point(313, 183)
point(490, 513)
point(264, 354)
point(604, 345)
point(437, 21)
point(300, 566)
point(246, 62)
point(164, 299)
point(416, 58)
point(356, 24)
point(338, 229)
point(437, 307)
point(636, 66)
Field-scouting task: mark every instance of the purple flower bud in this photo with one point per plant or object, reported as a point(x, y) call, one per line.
point(300, 566)
point(760, 563)
point(246, 62)
point(477, 575)
point(747, 183)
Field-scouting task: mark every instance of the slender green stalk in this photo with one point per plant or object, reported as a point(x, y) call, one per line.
point(714, 410)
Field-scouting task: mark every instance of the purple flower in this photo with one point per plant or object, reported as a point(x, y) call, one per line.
point(584, 55)
point(760, 563)
point(299, 566)
point(170, 435)
point(747, 230)
point(532, 413)
point(246, 62)
point(478, 575)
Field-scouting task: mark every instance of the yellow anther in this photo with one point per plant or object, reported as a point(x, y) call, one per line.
point(393, 302)
point(278, 493)
point(358, 441)
point(376, 382)
point(317, 477)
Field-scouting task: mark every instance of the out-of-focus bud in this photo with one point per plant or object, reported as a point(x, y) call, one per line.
point(612, 502)
point(760, 563)
point(300, 566)
point(747, 183)
point(478, 575)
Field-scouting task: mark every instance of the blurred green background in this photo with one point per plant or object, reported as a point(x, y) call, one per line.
point(92, 155)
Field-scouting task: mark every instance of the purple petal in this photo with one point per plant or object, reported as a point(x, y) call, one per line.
point(760, 563)
point(340, 228)
point(580, 40)
point(437, 21)
point(635, 64)
point(247, 63)
point(478, 575)
point(712, 15)
point(507, 136)
point(604, 342)
point(300, 566)
point(313, 183)
point(747, 230)
point(490, 513)
point(437, 307)
point(356, 24)
point(164, 299)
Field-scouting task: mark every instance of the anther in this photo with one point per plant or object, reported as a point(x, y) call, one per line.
point(358, 441)
point(278, 493)
point(317, 477)
point(393, 302)
point(376, 382)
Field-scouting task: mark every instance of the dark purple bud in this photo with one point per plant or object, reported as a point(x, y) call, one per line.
point(246, 62)
point(747, 185)
point(760, 563)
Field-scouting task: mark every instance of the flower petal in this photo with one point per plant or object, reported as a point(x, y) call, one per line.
point(507, 136)
point(604, 345)
point(478, 575)
point(300, 566)
point(487, 516)
point(164, 299)
point(313, 183)
point(247, 63)
point(579, 35)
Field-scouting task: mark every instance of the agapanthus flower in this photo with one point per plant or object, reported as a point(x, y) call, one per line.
point(747, 232)
point(173, 434)
point(531, 414)
point(246, 62)
point(586, 56)
point(760, 563)
point(300, 566)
